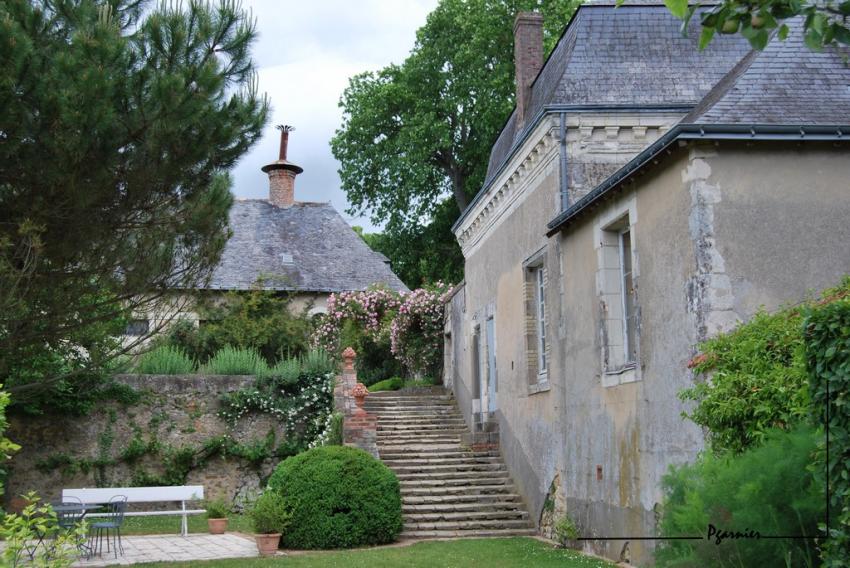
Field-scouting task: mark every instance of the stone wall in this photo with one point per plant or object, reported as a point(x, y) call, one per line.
point(177, 412)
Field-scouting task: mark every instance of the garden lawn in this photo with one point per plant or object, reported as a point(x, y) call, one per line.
point(171, 525)
point(492, 553)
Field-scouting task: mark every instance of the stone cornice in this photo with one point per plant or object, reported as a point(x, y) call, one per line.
point(509, 186)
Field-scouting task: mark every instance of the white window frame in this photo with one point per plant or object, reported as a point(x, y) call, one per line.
point(628, 321)
point(540, 303)
point(620, 352)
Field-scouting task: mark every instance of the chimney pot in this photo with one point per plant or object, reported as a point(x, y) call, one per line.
point(528, 59)
point(282, 173)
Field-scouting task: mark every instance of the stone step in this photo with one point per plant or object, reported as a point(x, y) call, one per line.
point(413, 446)
point(464, 508)
point(501, 499)
point(468, 482)
point(413, 410)
point(470, 525)
point(446, 516)
point(419, 490)
point(394, 438)
point(391, 436)
point(450, 475)
point(409, 401)
point(429, 460)
point(464, 533)
point(456, 455)
point(424, 427)
point(423, 469)
point(408, 423)
point(434, 390)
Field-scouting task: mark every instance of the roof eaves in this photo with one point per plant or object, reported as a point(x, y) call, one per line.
point(697, 132)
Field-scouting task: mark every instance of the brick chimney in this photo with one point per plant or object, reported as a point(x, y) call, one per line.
point(282, 173)
point(528, 59)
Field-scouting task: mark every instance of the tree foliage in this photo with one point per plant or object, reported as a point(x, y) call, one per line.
point(258, 319)
point(118, 122)
point(824, 22)
point(417, 134)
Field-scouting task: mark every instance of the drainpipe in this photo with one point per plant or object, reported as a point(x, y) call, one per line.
point(565, 196)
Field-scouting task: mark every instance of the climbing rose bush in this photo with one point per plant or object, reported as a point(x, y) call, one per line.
point(410, 324)
point(371, 310)
point(416, 333)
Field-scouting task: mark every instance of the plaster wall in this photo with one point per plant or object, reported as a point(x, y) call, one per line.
point(780, 219)
point(502, 231)
point(718, 231)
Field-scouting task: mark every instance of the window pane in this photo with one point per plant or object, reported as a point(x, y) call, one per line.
point(628, 297)
point(541, 320)
point(137, 327)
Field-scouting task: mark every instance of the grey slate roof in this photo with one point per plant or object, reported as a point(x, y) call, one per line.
point(307, 247)
point(632, 55)
point(786, 92)
point(787, 83)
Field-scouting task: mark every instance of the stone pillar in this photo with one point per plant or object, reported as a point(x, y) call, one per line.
point(359, 428)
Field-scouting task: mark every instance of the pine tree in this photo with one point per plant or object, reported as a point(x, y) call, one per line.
point(118, 123)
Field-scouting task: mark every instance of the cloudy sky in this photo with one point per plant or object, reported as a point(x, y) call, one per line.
point(306, 52)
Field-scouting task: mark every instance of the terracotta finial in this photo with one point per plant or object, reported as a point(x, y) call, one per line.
point(348, 360)
point(359, 393)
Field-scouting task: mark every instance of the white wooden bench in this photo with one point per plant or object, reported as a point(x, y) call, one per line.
point(180, 493)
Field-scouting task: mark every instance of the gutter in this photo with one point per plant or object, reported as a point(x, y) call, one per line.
point(698, 132)
point(551, 109)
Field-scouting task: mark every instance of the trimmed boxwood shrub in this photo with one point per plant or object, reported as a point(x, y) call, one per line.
point(340, 497)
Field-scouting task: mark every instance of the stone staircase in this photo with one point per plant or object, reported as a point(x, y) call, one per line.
point(447, 489)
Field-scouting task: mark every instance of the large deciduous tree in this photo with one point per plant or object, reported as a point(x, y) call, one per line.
point(419, 133)
point(118, 123)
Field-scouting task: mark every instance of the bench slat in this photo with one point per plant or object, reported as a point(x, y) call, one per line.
point(152, 513)
point(137, 494)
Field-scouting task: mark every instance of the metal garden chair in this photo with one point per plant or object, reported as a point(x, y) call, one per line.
point(115, 510)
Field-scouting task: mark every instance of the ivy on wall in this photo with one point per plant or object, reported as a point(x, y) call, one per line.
point(827, 351)
point(297, 393)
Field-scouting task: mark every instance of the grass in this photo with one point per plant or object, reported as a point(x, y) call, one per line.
point(492, 553)
point(171, 525)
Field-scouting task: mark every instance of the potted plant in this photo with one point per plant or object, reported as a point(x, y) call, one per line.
point(217, 511)
point(271, 517)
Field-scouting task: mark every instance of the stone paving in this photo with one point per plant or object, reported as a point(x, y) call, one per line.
point(174, 548)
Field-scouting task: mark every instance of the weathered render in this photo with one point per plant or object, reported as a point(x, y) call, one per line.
point(647, 211)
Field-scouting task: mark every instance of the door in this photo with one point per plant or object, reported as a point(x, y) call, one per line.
point(491, 364)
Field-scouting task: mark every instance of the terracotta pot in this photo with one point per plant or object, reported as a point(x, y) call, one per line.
point(267, 543)
point(217, 526)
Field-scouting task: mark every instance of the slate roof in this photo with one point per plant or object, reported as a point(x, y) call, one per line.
point(786, 92)
point(787, 83)
point(307, 247)
point(633, 55)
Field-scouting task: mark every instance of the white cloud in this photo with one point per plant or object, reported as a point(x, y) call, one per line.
point(306, 53)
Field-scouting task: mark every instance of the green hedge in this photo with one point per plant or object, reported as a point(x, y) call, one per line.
point(340, 497)
point(827, 338)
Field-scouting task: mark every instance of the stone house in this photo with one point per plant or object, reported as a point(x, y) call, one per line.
point(301, 248)
point(643, 196)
